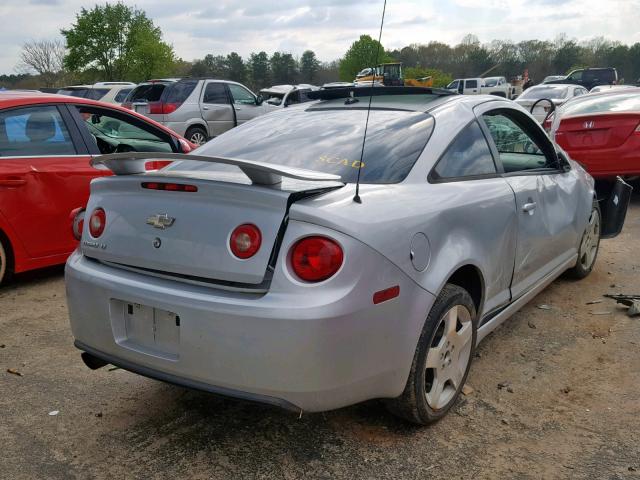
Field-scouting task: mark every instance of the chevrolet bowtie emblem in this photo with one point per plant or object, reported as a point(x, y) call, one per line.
point(161, 221)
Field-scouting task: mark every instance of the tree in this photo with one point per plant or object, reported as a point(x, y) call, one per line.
point(44, 57)
point(309, 66)
point(283, 68)
point(440, 79)
point(365, 52)
point(118, 40)
point(259, 74)
point(236, 69)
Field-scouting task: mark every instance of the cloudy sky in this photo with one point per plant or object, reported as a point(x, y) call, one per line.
point(197, 27)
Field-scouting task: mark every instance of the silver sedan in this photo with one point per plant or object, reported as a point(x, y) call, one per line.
point(254, 267)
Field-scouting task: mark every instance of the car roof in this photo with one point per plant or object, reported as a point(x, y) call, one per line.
point(16, 98)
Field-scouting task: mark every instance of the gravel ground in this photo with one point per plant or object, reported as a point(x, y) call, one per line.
point(571, 408)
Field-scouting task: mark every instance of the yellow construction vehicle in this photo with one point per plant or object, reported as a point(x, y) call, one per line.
point(390, 74)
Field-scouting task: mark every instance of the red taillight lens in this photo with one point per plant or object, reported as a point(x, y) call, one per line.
point(77, 222)
point(97, 222)
point(316, 258)
point(172, 187)
point(245, 241)
point(163, 108)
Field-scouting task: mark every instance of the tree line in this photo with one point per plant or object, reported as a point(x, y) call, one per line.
point(114, 42)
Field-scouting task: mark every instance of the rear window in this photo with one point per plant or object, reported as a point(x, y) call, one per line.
point(74, 92)
point(327, 140)
point(545, 92)
point(122, 94)
point(614, 103)
point(96, 93)
point(149, 92)
point(179, 91)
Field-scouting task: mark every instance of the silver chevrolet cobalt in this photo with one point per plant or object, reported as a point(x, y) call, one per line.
point(287, 262)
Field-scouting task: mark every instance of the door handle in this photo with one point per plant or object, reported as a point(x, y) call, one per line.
point(238, 108)
point(12, 182)
point(529, 207)
point(205, 108)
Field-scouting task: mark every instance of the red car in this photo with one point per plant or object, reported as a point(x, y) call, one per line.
point(46, 143)
point(602, 132)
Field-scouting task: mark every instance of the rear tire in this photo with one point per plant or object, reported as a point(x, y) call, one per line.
point(197, 135)
point(589, 245)
point(442, 359)
point(6, 262)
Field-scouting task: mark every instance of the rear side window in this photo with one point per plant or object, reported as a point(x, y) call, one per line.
point(327, 140)
point(215, 93)
point(179, 91)
point(122, 94)
point(471, 84)
point(150, 92)
point(34, 131)
point(468, 156)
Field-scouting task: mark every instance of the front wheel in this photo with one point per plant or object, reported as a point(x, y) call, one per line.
point(442, 359)
point(589, 245)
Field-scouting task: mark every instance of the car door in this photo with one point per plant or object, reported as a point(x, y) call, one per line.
point(244, 103)
point(44, 167)
point(216, 108)
point(546, 196)
point(471, 87)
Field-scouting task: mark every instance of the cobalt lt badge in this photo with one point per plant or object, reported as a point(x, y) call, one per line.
point(157, 242)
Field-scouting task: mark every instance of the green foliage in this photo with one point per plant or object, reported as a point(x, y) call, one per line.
point(440, 78)
point(309, 66)
point(119, 41)
point(365, 52)
point(259, 73)
point(284, 68)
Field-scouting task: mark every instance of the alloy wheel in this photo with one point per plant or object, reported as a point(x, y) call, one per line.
point(198, 138)
point(448, 356)
point(590, 240)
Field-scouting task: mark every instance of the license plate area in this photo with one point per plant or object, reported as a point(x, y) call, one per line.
point(145, 329)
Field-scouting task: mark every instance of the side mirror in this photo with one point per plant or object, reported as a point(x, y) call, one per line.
point(95, 118)
point(259, 99)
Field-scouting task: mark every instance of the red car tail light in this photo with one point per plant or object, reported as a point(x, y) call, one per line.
point(163, 108)
point(316, 258)
point(245, 241)
point(172, 187)
point(77, 222)
point(97, 222)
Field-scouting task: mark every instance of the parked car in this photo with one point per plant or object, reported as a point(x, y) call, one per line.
point(198, 108)
point(250, 268)
point(539, 100)
point(285, 95)
point(46, 143)
point(604, 88)
point(602, 132)
point(553, 78)
point(482, 86)
point(110, 92)
point(591, 77)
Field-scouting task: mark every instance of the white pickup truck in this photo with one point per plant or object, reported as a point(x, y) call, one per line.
point(485, 86)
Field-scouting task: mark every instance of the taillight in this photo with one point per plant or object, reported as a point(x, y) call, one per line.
point(97, 222)
point(163, 108)
point(245, 241)
point(171, 187)
point(77, 222)
point(314, 259)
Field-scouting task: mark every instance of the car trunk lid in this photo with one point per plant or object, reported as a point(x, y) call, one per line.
point(596, 131)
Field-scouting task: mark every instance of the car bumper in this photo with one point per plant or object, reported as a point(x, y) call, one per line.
point(312, 356)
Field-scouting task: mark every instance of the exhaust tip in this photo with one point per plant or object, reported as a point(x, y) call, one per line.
point(92, 361)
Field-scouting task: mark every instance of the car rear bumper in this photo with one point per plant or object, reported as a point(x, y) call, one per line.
point(623, 160)
point(300, 354)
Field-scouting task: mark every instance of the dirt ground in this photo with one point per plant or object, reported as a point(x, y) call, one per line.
point(571, 409)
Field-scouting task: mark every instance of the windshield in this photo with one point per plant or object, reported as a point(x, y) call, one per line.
point(453, 85)
point(491, 82)
point(273, 98)
point(550, 92)
point(327, 140)
point(614, 103)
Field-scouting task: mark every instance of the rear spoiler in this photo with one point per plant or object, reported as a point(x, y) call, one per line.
point(260, 173)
